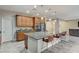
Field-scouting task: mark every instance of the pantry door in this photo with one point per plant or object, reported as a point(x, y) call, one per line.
point(6, 28)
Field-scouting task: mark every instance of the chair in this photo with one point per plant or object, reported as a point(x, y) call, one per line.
point(56, 36)
point(63, 35)
point(47, 40)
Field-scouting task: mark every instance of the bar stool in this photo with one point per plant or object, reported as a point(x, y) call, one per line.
point(63, 35)
point(57, 36)
point(47, 40)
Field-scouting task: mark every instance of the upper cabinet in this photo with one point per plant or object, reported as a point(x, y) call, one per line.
point(18, 21)
point(34, 22)
point(37, 21)
point(24, 21)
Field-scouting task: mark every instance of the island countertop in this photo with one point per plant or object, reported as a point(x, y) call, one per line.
point(35, 42)
point(38, 35)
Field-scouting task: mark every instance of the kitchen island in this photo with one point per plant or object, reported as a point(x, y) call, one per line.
point(35, 41)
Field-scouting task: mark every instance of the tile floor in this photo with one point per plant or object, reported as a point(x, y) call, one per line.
point(13, 47)
point(70, 46)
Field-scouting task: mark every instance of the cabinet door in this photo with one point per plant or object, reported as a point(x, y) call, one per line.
point(20, 36)
point(37, 21)
point(19, 21)
point(24, 20)
point(29, 21)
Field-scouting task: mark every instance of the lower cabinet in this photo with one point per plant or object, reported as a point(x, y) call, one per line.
point(20, 36)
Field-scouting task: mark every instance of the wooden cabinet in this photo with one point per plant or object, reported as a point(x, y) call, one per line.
point(24, 21)
point(33, 22)
point(18, 21)
point(20, 36)
point(37, 20)
point(39, 24)
point(29, 21)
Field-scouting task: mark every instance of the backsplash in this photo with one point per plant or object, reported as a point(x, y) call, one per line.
point(24, 29)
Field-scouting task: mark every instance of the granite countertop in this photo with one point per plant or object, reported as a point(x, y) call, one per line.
point(38, 35)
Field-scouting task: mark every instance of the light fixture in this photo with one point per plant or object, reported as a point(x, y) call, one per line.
point(27, 11)
point(41, 18)
point(35, 6)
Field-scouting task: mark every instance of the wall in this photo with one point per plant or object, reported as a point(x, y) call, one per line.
point(49, 26)
point(64, 25)
point(67, 24)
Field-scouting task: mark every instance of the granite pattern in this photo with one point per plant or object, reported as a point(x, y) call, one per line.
point(38, 35)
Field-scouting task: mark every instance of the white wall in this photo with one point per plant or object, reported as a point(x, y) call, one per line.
point(63, 25)
point(67, 24)
point(53, 26)
point(49, 26)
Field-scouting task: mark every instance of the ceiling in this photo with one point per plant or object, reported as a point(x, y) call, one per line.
point(49, 11)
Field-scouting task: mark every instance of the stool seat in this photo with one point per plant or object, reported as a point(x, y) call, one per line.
point(48, 39)
point(45, 40)
point(56, 36)
point(63, 33)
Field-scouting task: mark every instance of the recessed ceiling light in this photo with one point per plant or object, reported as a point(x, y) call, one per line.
point(46, 11)
point(35, 6)
point(27, 11)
